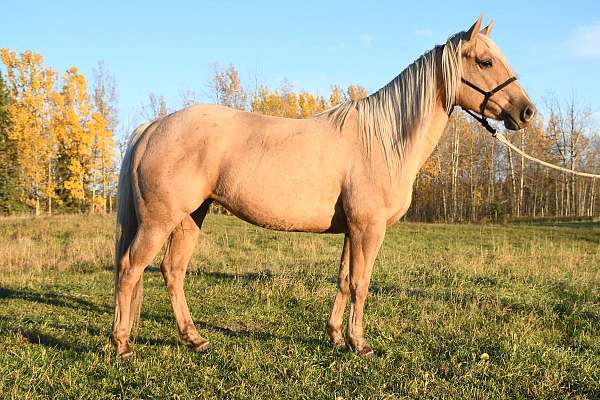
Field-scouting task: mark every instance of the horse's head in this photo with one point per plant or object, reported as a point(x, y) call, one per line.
point(489, 85)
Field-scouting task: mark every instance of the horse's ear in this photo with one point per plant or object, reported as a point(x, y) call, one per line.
point(488, 29)
point(474, 30)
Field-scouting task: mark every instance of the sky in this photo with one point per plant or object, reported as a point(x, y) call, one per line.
point(171, 47)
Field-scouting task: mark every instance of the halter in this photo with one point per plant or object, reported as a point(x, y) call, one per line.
point(486, 96)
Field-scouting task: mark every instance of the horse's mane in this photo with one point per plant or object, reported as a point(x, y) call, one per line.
point(393, 113)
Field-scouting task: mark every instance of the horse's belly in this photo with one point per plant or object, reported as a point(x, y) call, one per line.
point(281, 203)
point(267, 217)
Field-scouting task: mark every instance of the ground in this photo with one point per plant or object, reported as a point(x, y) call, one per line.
point(454, 311)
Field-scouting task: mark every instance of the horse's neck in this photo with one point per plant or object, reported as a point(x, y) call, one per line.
point(420, 147)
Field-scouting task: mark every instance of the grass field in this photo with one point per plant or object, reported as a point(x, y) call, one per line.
point(455, 311)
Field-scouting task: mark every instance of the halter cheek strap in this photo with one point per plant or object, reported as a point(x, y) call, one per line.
point(486, 96)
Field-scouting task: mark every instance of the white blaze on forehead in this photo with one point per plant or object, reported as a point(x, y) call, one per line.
point(495, 50)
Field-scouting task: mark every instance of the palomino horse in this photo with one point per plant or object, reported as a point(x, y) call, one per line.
point(348, 170)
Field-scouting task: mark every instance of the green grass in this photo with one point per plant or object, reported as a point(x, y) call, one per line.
point(441, 296)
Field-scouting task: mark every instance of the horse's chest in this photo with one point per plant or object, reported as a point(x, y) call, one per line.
point(399, 207)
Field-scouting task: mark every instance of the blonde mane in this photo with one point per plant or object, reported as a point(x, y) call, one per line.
point(394, 113)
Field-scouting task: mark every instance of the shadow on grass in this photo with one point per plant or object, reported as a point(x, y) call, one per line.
point(588, 238)
point(566, 224)
point(566, 309)
point(29, 332)
point(53, 299)
point(34, 336)
point(246, 333)
point(228, 277)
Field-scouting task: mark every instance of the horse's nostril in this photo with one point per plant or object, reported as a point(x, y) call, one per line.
point(527, 113)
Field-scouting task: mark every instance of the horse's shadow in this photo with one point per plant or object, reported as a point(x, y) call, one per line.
point(34, 336)
point(28, 330)
point(53, 299)
point(265, 275)
point(264, 336)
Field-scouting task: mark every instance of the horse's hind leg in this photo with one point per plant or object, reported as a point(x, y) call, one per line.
point(334, 325)
point(173, 267)
point(146, 244)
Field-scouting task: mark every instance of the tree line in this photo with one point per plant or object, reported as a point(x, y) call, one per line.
point(56, 137)
point(58, 146)
point(471, 176)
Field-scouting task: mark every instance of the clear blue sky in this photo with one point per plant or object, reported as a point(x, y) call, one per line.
point(169, 47)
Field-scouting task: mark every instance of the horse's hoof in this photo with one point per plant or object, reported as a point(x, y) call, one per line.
point(335, 337)
point(338, 342)
point(202, 347)
point(198, 345)
point(124, 353)
point(365, 352)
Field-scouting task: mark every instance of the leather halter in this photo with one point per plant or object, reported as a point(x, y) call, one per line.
point(486, 96)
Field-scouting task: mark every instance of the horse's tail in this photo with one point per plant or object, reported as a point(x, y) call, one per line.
point(127, 225)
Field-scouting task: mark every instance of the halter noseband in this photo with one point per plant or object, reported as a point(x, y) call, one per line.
point(486, 96)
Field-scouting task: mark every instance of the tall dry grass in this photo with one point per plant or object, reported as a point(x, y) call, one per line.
point(59, 242)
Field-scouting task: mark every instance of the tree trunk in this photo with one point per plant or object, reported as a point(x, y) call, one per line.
point(455, 158)
point(515, 207)
point(521, 179)
point(443, 184)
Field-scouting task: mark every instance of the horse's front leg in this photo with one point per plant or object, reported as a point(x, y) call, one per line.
point(334, 325)
point(365, 241)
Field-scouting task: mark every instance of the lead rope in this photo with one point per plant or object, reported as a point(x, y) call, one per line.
point(484, 122)
point(507, 142)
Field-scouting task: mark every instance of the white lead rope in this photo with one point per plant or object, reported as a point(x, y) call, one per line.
point(504, 140)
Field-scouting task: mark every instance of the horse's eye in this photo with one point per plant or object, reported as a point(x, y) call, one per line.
point(485, 63)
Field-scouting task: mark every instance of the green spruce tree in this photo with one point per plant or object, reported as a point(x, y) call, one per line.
point(9, 186)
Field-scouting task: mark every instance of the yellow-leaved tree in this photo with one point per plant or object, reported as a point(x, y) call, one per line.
point(355, 92)
point(75, 139)
point(336, 96)
point(101, 174)
point(31, 86)
point(310, 104)
point(267, 102)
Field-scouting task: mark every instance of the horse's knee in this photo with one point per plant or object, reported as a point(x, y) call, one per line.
point(344, 285)
point(359, 290)
point(129, 274)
